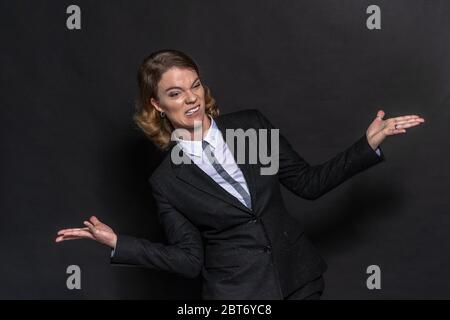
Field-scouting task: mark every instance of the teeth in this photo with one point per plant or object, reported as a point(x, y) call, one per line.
point(191, 111)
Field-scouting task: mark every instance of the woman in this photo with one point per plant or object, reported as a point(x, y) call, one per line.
point(222, 218)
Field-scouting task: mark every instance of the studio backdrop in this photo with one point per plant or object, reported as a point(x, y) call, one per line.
point(319, 70)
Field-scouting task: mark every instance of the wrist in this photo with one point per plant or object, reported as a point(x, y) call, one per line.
point(113, 243)
point(371, 143)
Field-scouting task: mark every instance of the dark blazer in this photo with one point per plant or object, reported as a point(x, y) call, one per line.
point(240, 253)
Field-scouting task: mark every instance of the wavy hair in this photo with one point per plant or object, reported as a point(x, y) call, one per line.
point(148, 119)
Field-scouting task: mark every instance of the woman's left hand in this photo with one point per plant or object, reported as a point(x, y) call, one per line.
point(379, 129)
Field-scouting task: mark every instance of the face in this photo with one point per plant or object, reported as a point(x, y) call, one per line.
point(181, 97)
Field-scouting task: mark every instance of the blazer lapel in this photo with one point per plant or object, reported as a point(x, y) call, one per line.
point(196, 177)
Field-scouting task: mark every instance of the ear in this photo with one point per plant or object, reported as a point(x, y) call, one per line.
point(155, 105)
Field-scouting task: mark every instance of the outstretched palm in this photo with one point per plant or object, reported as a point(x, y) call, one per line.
point(94, 230)
point(379, 129)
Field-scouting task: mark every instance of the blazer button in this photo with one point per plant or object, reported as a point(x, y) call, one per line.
point(267, 249)
point(254, 220)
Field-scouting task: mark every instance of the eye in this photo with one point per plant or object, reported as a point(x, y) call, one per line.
point(173, 94)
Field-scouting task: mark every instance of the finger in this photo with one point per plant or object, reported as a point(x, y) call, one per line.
point(91, 227)
point(60, 239)
point(80, 233)
point(408, 125)
point(419, 120)
point(72, 229)
point(393, 131)
point(392, 121)
point(380, 114)
point(401, 118)
point(94, 220)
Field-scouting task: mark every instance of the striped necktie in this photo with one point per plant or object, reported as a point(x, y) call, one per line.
point(221, 171)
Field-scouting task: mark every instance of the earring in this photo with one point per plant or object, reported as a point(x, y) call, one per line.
point(162, 114)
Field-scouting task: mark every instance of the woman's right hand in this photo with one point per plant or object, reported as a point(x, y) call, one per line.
point(94, 230)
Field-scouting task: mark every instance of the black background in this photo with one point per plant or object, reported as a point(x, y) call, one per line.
point(69, 148)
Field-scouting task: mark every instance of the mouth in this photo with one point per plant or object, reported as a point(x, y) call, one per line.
point(192, 111)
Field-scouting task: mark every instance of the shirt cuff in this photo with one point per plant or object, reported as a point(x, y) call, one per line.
point(378, 151)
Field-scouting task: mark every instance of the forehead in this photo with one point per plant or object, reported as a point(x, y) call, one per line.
point(180, 77)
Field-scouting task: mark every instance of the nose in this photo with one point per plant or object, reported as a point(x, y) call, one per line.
point(190, 97)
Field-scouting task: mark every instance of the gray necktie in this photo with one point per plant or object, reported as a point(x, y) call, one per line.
point(221, 171)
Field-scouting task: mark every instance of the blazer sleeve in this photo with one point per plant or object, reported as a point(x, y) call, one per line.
point(183, 254)
point(312, 181)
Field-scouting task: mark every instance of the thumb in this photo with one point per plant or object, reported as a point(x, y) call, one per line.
point(94, 220)
point(380, 114)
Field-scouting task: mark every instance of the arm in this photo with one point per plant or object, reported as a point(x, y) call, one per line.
point(311, 182)
point(183, 254)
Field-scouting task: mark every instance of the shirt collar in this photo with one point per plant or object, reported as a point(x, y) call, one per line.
point(194, 147)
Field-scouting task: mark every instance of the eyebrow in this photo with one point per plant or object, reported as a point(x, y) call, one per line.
point(181, 88)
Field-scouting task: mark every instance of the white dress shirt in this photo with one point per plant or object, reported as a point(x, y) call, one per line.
point(193, 148)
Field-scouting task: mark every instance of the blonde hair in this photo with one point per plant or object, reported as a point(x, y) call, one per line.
point(147, 118)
